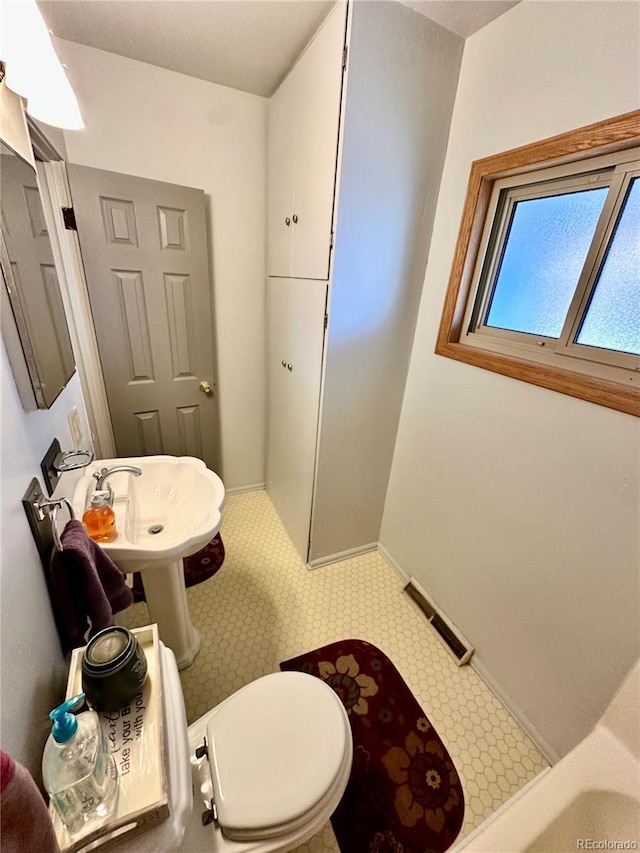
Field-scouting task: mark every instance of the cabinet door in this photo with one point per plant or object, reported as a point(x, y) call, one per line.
point(317, 81)
point(280, 172)
point(295, 341)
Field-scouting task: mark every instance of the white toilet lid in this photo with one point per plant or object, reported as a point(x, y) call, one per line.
point(275, 749)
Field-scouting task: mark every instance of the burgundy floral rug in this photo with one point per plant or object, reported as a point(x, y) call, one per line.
point(404, 794)
point(197, 568)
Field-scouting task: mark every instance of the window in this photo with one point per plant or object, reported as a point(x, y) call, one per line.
point(545, 284)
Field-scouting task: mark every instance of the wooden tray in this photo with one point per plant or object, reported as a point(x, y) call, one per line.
point(135, 737)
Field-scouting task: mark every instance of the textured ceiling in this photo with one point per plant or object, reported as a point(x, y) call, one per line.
point(463, 17)
point(245, 44)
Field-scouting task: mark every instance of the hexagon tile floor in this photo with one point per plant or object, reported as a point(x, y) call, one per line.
point(265, 606)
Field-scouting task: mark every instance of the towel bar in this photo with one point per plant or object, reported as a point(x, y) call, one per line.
point(43, 519)
point(42, 516)
point(41, 507)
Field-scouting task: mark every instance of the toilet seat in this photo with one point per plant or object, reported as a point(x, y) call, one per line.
point(191, 789)
point(278, 753)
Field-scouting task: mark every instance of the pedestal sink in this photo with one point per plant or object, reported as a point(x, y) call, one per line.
point(168, 513)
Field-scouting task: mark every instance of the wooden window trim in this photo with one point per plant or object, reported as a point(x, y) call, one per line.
point(604, 137)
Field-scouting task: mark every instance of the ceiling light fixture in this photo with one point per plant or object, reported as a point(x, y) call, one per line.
point(33, 70)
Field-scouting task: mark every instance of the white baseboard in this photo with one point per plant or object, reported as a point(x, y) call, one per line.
point(342, 555)
point(255, 487)
point(397, 568)
point(525, 724)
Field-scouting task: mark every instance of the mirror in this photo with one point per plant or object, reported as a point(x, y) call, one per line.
point(34, 325)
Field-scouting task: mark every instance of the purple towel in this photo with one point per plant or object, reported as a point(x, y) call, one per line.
point(86, 585)
point(25, 824)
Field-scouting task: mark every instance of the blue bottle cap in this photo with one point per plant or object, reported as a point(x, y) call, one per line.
point(65, 724)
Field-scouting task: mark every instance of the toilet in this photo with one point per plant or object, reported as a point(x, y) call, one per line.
point(274, 758)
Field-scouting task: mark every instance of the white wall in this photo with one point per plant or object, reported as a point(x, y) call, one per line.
point(153, 123)
point(517, 508)
point(402, 77)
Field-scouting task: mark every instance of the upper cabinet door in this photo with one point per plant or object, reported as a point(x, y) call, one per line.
point(318, 88)
point(304, 117)
point(280, 171)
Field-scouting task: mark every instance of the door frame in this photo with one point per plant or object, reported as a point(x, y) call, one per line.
point(75, 297)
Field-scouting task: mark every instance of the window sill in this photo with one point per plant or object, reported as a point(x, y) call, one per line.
point(593, 390)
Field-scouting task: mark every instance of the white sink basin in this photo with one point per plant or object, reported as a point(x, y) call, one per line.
point(169, 512)
point(180, 495)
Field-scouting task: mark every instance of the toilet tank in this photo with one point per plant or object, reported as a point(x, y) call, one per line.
point(167, 836)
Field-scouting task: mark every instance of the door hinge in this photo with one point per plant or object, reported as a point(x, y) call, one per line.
point(326, 320)
point(344, 57)
point(331, 240)
point(69, 219)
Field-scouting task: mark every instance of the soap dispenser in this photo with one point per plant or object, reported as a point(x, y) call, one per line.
point(100, 520)
point(77, 770)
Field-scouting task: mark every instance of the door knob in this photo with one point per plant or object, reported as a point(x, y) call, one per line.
point(206, 388)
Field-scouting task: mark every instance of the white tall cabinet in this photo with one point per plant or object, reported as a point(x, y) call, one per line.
point(304, 116)
point(295, 336)
point(355, 159)
point(304, 119)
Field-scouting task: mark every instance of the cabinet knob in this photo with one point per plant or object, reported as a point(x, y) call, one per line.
point(289, 366)
point(287, 221)
point(283, 363)
point(295, 217)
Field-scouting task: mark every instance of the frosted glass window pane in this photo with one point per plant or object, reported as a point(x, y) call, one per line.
point(612, 320)
point(544, 254)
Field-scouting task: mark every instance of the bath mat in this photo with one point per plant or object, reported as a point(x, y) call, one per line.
point(404, 794)
point(197, 568)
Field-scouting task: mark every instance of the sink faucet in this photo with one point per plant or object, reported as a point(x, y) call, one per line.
point(101, 478)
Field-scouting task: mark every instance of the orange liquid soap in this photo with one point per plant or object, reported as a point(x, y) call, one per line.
point(100, 521)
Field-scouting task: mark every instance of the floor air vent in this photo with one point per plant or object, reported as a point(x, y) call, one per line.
point(456, 644)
